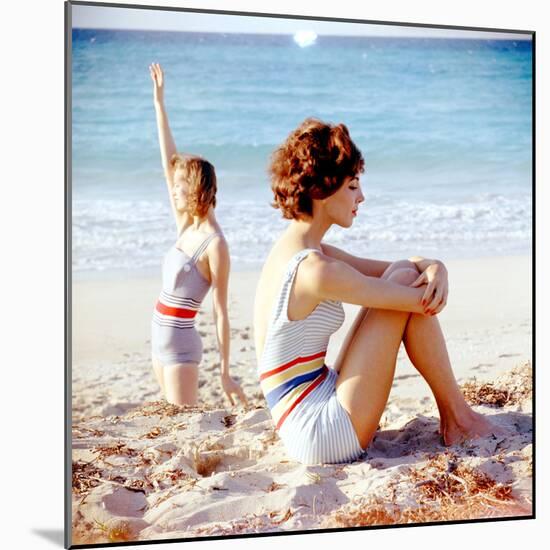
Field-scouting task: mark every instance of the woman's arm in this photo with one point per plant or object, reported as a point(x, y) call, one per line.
point(219, 261)
point(372, 268)
point(422, 263)
point(433, 273)
point(166, 141)
point(330, 279)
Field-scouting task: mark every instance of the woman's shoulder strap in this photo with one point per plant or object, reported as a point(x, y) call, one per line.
point(288, 279)
point(203, 245)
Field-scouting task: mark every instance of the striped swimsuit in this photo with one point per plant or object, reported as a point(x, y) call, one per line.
point(299, 387)
point(174, 338)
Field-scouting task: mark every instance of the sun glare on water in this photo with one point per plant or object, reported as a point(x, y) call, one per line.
point(305, 38)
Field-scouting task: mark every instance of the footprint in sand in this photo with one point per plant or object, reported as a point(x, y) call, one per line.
point(483, 366)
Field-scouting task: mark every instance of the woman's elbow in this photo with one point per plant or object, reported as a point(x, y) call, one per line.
point(221, 313)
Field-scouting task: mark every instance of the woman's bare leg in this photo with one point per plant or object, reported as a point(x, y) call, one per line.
point(181, 383)
point(425, 345)
point(367, 366)
point(401, 264)
point(157, 367)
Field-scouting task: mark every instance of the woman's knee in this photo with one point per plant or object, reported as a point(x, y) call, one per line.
point(400, 264)
point(404, 276)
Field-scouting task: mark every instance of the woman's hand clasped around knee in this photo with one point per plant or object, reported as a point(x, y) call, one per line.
point(437, 287)
point(230, 386)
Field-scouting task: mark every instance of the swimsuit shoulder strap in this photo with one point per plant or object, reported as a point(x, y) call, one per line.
point(288, 279)
point(203, 246)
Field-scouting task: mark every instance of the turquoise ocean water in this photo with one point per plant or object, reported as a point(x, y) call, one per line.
point(444, 126)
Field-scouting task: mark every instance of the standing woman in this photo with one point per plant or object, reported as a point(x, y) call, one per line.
point(329, 415)
point(198, 260)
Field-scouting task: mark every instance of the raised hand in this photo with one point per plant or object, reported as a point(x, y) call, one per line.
point(157, 76)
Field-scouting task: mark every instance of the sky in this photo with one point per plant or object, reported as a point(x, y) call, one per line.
point(100, 17)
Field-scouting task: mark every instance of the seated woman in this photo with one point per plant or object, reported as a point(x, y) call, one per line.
point(329, 415)
point(198, 260)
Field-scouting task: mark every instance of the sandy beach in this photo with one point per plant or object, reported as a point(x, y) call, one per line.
point(144, 469)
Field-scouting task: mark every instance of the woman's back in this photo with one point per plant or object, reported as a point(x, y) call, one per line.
point(269, 288)
point(291, 362)
point(296, 382)
point(174, 338)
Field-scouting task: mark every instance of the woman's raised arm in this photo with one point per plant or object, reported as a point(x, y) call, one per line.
point(166, 141)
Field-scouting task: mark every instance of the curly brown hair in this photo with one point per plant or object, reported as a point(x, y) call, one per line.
point(312, 163)
point(201, 179)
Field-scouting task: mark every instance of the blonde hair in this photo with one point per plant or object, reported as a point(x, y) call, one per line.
point(201, 179)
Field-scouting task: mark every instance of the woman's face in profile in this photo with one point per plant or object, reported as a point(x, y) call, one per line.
point(343, 205)
point(179, 191)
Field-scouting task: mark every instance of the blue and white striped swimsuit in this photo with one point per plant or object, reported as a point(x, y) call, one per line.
point(299, 387)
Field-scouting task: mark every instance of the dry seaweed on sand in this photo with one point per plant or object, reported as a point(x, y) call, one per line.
point(85, 476)
point(477, 393)
point(153, 433)
point(512, 388)
point(445, 489)
point(229, 420)
point(378, 512)
point(82, 431)
point(446, 477)
point(165, 409)
point(116, 449)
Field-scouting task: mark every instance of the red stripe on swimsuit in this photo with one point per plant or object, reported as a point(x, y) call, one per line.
point(175, 311)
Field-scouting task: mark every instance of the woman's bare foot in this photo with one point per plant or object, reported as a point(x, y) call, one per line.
point(469, 426)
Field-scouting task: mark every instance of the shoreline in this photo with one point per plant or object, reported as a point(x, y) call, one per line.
point(488, 298)
point(240, 267)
